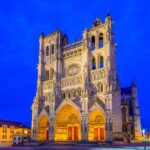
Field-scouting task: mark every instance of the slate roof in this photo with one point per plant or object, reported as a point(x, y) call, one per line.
point(12, 123)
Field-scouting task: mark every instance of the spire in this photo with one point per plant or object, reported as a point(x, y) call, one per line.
point(97, 22)
point(42, 35)
point(108, 17)
point(133, 82)
point(108, 14)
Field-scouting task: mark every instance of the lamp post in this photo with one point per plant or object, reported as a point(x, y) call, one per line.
point(144, 135)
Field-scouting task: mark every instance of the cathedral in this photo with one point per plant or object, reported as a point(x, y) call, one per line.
point(79, 97)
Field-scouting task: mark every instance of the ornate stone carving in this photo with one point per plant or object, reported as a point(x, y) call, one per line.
point(73, 69)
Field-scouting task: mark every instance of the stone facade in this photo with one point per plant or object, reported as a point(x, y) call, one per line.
point(78, 92)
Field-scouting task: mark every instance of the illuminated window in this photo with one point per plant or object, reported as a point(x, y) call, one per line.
point(4, 128)
point(4, 137)
point(93, 43)
point(11, 129)
point(101, 40)
point(93, 64)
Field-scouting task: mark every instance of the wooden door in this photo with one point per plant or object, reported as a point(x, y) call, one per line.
point(101, 133)
point(69, 133)
point(95, 134)
point(75, 132)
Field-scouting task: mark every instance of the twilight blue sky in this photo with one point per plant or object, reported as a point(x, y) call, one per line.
point(21, 23)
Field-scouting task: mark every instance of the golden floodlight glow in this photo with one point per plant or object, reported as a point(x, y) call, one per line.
point(43, 126)
point(96, 126)
point(67, 124)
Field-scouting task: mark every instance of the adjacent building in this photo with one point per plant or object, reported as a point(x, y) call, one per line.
point(79, 97)
point(10, 128)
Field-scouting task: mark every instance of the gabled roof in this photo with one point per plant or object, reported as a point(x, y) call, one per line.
point(12, 123)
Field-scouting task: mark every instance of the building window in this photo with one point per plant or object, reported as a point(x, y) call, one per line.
point(124, 126)
point(101, 63)
point(93, 43)
point(4, 137)
point(93, 64)
point(52, 49)
point(47, 74)
point(79, 92)
point(64, 96)
point(4, 128)
point(11, 129)
point(102, 88)
point(51, 74)
point(47, 51)
point(101, 42)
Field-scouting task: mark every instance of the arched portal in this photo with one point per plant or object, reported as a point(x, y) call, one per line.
point(96, 126)
point(67, 124)
point(43, 128)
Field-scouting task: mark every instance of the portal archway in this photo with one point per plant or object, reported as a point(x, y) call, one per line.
point(96, 126)
point(68, 124)
point(43, 128)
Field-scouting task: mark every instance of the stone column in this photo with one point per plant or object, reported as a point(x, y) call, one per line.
point(84, 128)
point(109, 128)
point(34, 121)
point(34, 132)
point(51, 129)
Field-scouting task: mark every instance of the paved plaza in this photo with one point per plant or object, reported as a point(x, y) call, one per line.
point(74, 148)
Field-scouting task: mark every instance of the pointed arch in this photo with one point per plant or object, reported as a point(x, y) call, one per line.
point(101, 40)
point(68, 123)
point(93, 43)
point(47, 51)
point(93, 64)
point(96, 124)
point(101, 62)
point(43, 128)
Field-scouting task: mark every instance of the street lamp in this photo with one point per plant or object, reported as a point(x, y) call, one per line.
point(144, 135)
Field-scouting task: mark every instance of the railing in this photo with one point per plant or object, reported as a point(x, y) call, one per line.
point(70, 81)
point(72, 45)
point(97, 74)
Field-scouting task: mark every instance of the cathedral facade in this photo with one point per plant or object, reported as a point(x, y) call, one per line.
point(78, 96)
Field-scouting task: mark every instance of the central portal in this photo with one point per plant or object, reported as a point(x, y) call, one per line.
point(67, 124)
